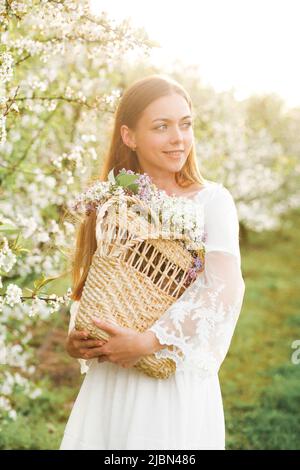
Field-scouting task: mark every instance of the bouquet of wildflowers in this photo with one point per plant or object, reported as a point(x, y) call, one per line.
point(153, 257)
point(180, 218)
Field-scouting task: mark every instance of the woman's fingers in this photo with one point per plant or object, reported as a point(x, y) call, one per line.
point(88, 344)
point(79, 334)
point(91, 353)
point(92, 343)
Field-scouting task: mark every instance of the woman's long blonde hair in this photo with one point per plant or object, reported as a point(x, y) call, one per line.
point(130, 108)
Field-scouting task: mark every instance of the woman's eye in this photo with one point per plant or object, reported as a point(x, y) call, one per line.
point(188, 124)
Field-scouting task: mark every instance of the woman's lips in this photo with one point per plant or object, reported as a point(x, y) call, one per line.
point(174, 154)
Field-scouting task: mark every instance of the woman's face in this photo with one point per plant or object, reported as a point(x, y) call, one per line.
point(165, 126)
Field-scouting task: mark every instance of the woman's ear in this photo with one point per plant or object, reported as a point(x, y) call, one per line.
point(127, 137)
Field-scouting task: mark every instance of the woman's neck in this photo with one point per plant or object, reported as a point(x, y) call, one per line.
point(167, 183)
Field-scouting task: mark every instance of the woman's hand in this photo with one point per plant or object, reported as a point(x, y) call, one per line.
point(80, 345)
point(125, 346)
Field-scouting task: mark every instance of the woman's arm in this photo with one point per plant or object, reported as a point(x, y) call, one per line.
point(126, 346)
point(200, 324)
point(149, 343)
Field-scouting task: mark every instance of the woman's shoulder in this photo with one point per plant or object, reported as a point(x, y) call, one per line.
point(215, 188)
point(216, 197)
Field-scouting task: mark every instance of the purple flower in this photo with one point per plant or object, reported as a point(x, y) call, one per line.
point(204, 237)
point(144, 180)
point(144, 193)
point(192, 273)
point(76, 206)
point(129, 172)
point(198, 263)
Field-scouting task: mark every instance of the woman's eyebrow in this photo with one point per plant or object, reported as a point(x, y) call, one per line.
point(170, 120)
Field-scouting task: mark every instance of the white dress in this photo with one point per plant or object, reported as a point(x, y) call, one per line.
point(120, 409)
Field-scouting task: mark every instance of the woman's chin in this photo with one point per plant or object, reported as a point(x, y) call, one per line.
point(176, 165)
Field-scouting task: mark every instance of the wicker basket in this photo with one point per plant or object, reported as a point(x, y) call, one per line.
point(133, 278)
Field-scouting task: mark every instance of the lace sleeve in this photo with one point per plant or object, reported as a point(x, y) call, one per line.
point(202, 321)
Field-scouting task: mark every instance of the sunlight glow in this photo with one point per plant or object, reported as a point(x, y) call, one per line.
point(250, 46)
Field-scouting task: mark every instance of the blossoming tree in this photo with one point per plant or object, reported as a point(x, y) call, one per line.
point(62, 71)
point(58, 87)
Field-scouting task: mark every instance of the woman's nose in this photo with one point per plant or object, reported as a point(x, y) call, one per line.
point(176, 135)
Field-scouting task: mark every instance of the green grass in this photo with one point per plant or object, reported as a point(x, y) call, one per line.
point(260, 385)
point(41, 422)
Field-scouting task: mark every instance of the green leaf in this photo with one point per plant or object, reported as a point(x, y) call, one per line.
point(133, 187)
point(126, 180)
point(22, 250)
point(39, 283)
point(8, 228)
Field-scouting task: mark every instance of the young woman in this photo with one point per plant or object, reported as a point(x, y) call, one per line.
point(119, 407)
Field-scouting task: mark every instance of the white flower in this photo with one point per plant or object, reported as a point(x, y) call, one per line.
point(2, 130)
point(53, 226)
point(4, 404)
point(6, 388)
point(3, 353)
point(6, 71)
point(42, 237)
point(15, 107)
point(31, 369)
point(69, 228)
point(12, 414)
point(35, 393)
point(7, 257)
point(39, 307)
point(13, 295)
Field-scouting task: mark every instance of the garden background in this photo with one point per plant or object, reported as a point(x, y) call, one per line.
point(62, 71)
